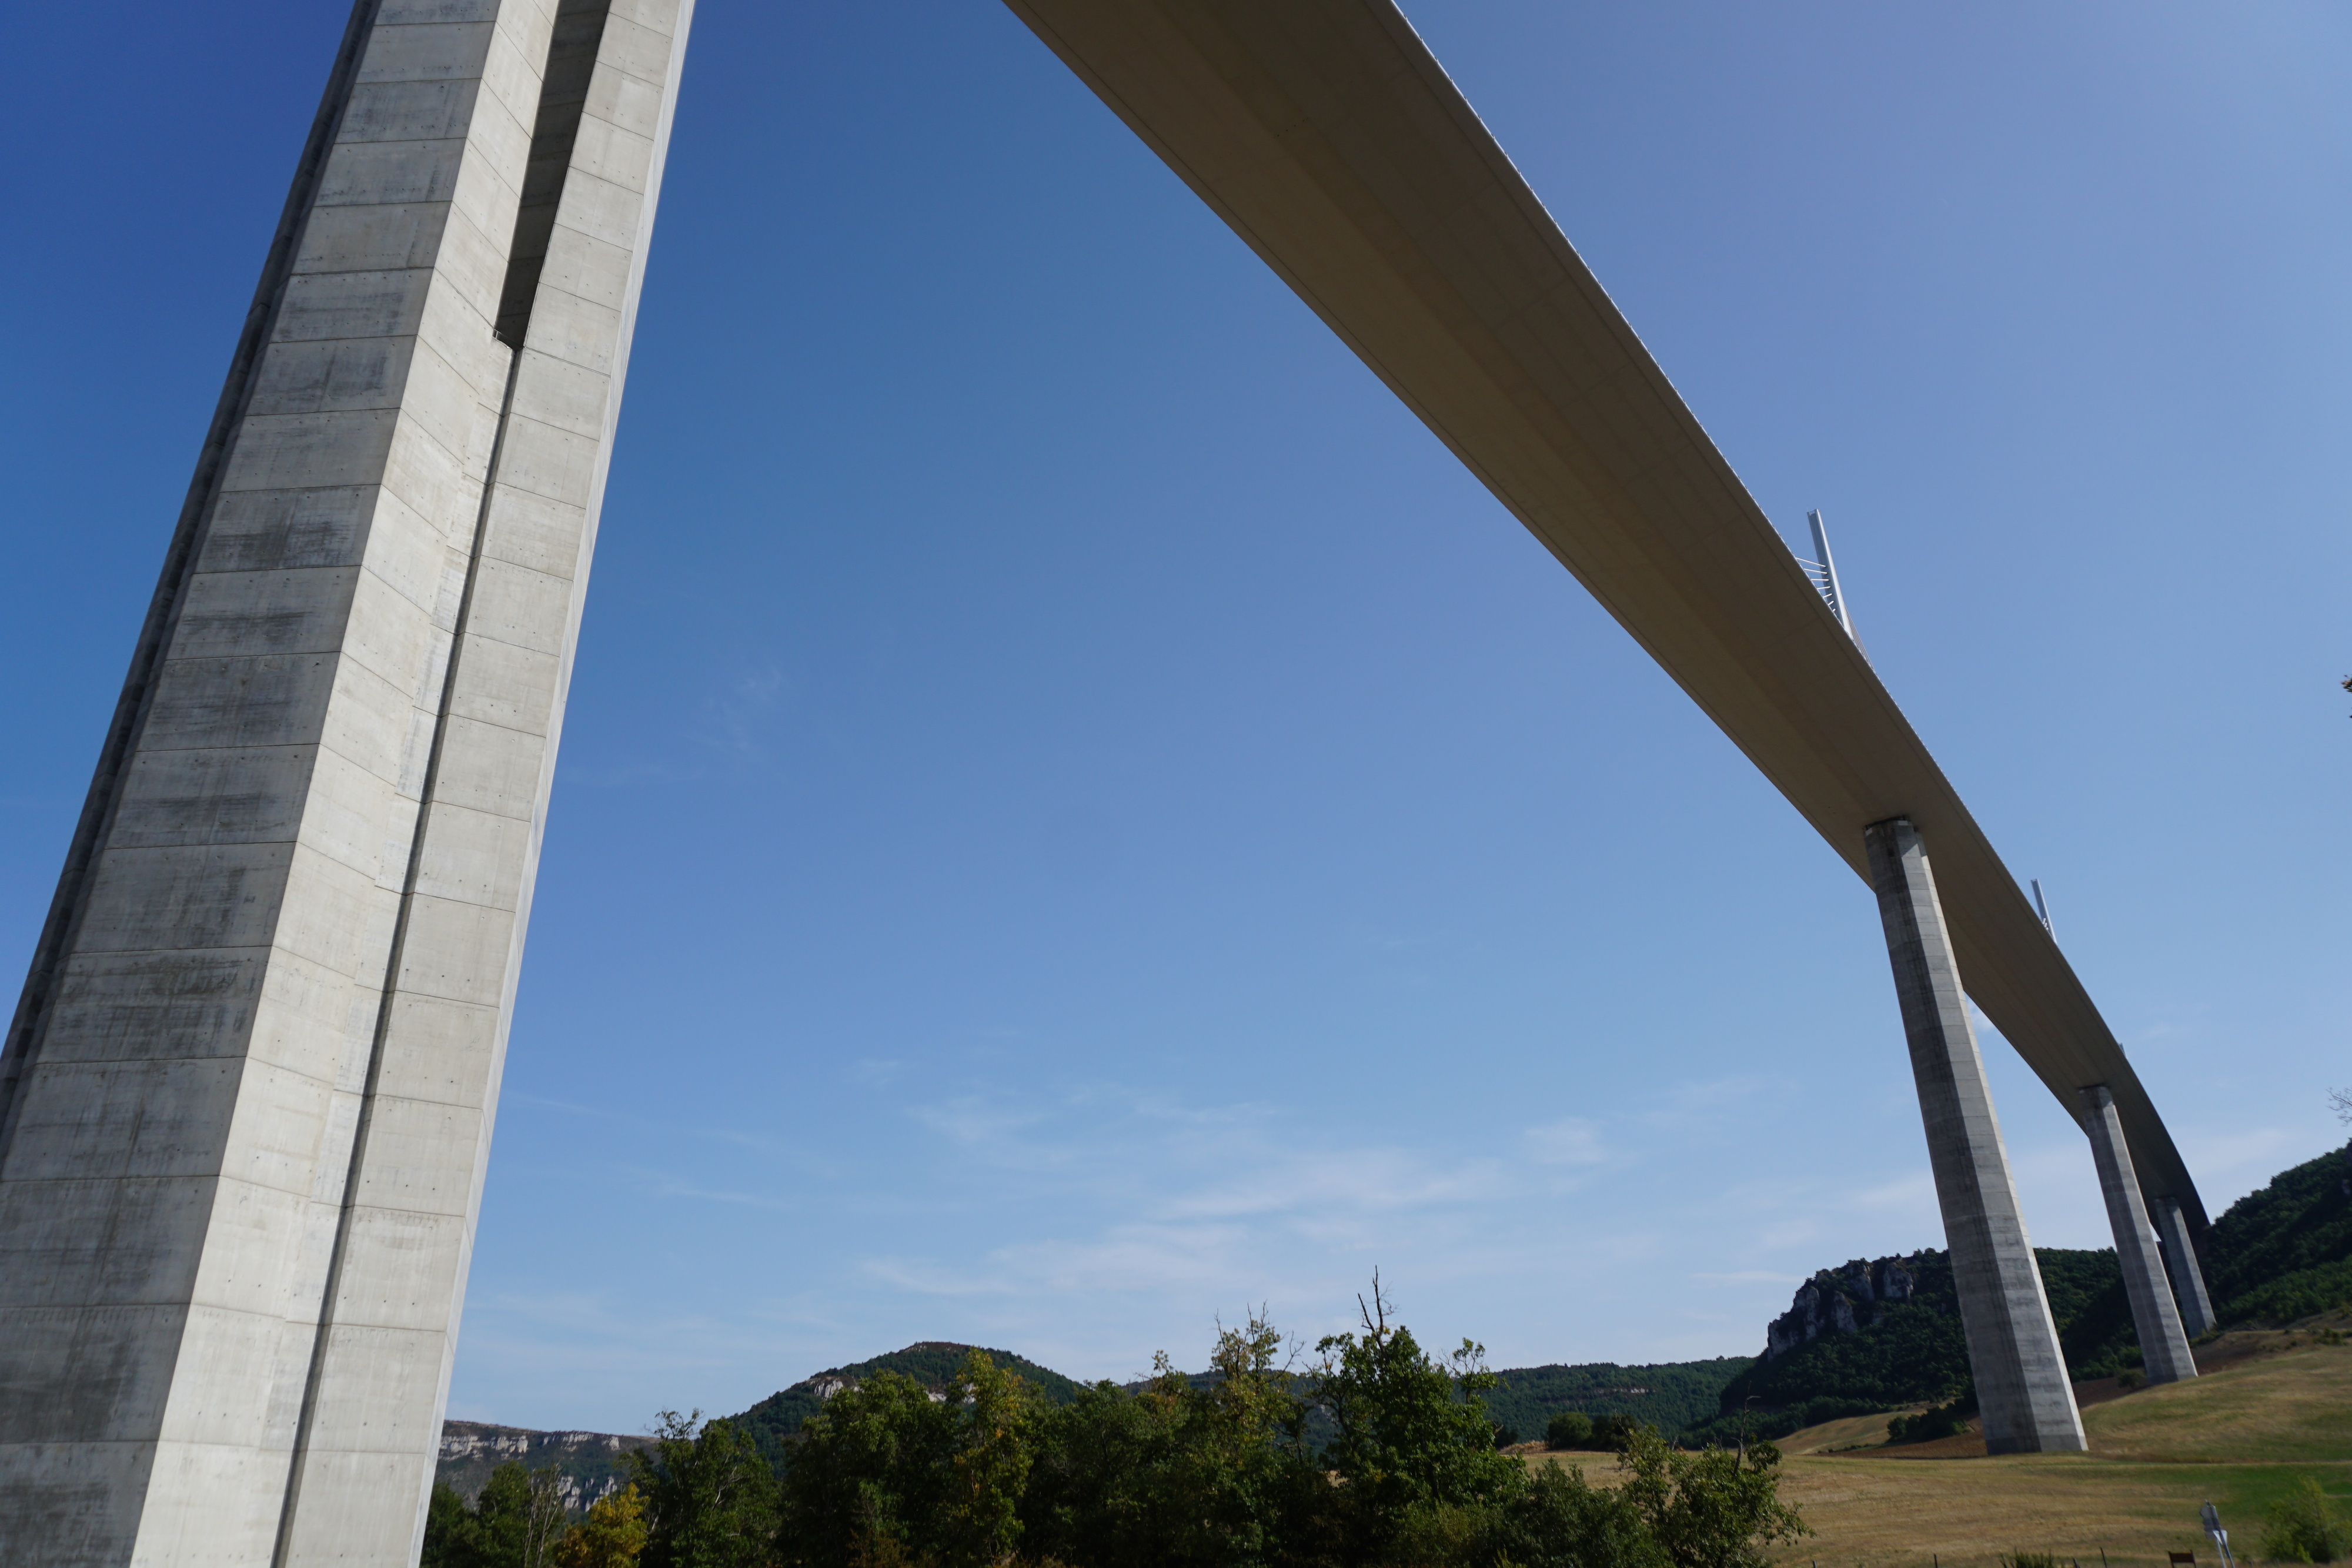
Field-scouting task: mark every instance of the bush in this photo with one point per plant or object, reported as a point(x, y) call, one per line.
point(2131, 1377)
point(1612, 1431)
point(2305, 1527)
point(1716, 1508)
point(1569, 1429)
point(1561, 1522)
point(1950, 1420)
point(2030, 1559)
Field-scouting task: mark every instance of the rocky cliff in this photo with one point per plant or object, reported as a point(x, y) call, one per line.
point(1840, 1300)
point(591, 1464)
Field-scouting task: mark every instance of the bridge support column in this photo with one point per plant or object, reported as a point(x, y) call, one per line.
point(2164, 1349)
point(2021, 1386)
point(2180, 1262)
point(246, 1099)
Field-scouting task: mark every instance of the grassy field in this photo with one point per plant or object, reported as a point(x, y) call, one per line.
point(2267, 1410)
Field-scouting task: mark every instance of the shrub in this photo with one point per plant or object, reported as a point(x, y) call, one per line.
point(1569, 1429)
point(1714, 1509)
point(2305, 1527)
point(2030, 1559)
point(1936, 1421)
point(2131, 1377)
point(1559, 1521)
point(1612, 1431)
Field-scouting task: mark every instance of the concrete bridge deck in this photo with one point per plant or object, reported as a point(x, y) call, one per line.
point(1330, 138)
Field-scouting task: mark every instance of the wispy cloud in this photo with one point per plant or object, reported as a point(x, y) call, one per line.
point(1573, 1142)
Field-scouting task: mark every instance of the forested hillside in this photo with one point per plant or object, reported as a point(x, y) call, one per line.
point(2285, 1252)
point(1848, 1347)
point(931, 1362)
point(1669, 1396)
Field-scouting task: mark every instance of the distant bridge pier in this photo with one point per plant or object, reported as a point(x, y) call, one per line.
point(2164, 1349)
point(2021, 1384)
point(2181, 1261)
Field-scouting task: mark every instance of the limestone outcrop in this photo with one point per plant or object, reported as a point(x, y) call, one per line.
point(1837, 1300)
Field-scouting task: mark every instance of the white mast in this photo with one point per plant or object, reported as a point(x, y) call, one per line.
point(1823, 572)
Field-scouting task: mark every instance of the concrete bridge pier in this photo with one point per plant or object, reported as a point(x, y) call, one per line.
point(2163, 1347)
point(2021, 1384)
point(246, 1099)
point(2181, 1261)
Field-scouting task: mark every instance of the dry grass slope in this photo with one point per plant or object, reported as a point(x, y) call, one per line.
point(2269, 1409)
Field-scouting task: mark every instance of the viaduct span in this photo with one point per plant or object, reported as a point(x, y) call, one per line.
point(246, 1099)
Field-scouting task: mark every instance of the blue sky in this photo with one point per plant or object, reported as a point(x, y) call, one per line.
point(1077, 817)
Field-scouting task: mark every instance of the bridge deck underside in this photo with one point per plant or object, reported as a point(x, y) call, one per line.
point(1330, 139)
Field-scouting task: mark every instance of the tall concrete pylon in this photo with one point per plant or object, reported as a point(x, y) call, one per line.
point(246, 1099)
point(2188, 1274)
point(2164, 1349)
point(2020, 1376)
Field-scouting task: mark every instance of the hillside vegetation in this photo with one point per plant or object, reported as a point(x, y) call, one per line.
point(2285, 1252)
point(1669, 1396)
point(1846, 1349)
point(933, 1363)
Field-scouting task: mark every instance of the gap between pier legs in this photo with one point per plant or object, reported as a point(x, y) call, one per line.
point(2021, 1384)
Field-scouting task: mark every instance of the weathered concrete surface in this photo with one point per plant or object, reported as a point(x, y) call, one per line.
point(1327, 137)
point(2188, 1274)
point(2164, 1349)
point(2021, 1376)
point(245, 1102)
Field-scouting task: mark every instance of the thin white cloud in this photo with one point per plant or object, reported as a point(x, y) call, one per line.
point(1571, 1142)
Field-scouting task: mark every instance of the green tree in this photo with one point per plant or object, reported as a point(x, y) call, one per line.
point(502, 1515)
point(1559, 1522)
point(989, 1466)
point(2305, 1527)
point(453, 1536)
point(710, 1498)
point(889, 1472)
point(515, 1523)
point(1409, 1436)
point(1569, 1429)
point(1614, 1430)
point(1178, 1474)
point(1717, 1508)
point(867, 1474)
